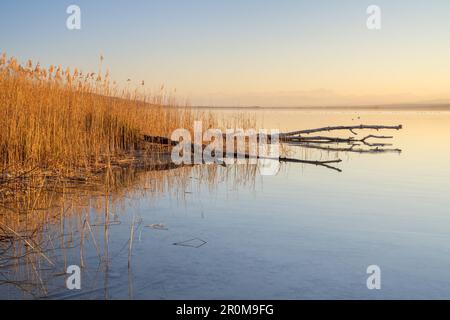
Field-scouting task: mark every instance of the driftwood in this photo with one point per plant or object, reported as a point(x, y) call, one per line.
point(303, 138)
point(352, 141)
point(292, 160)
point(348, 149)
point(349, 128)
point(236, 155)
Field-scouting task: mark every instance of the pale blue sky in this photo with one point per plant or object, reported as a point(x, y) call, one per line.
point(246, 52)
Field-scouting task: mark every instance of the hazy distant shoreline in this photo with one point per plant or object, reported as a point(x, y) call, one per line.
point(395, 107)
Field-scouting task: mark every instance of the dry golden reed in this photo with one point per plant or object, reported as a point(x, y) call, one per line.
point(61, 119)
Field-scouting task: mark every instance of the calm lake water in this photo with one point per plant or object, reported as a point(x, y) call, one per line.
point(307, 232)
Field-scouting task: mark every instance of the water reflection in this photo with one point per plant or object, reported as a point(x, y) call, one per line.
point(69, 222)
point(308, 232)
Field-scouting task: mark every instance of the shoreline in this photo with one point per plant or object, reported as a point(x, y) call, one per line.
point(401, 107)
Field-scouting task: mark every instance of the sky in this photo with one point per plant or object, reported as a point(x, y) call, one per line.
point(246, 52)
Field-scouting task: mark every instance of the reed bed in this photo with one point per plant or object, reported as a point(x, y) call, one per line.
point(62, 120)
point(65, 145)
point(58, 124)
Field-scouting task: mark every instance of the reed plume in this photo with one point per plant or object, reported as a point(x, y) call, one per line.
point(58, 120)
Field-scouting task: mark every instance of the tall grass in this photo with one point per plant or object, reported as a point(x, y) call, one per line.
point(56, 123)
point(60, 119)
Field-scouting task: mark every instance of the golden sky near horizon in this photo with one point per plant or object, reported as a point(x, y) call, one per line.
point(276, 53)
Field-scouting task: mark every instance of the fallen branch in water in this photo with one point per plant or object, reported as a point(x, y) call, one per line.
point(236, 155)
point(317, 163)
point(351, 140)
point(302, 138)
point(350, 128)
point(349, 149)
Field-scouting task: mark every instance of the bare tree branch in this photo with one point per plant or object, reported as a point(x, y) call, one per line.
point(350, 128)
